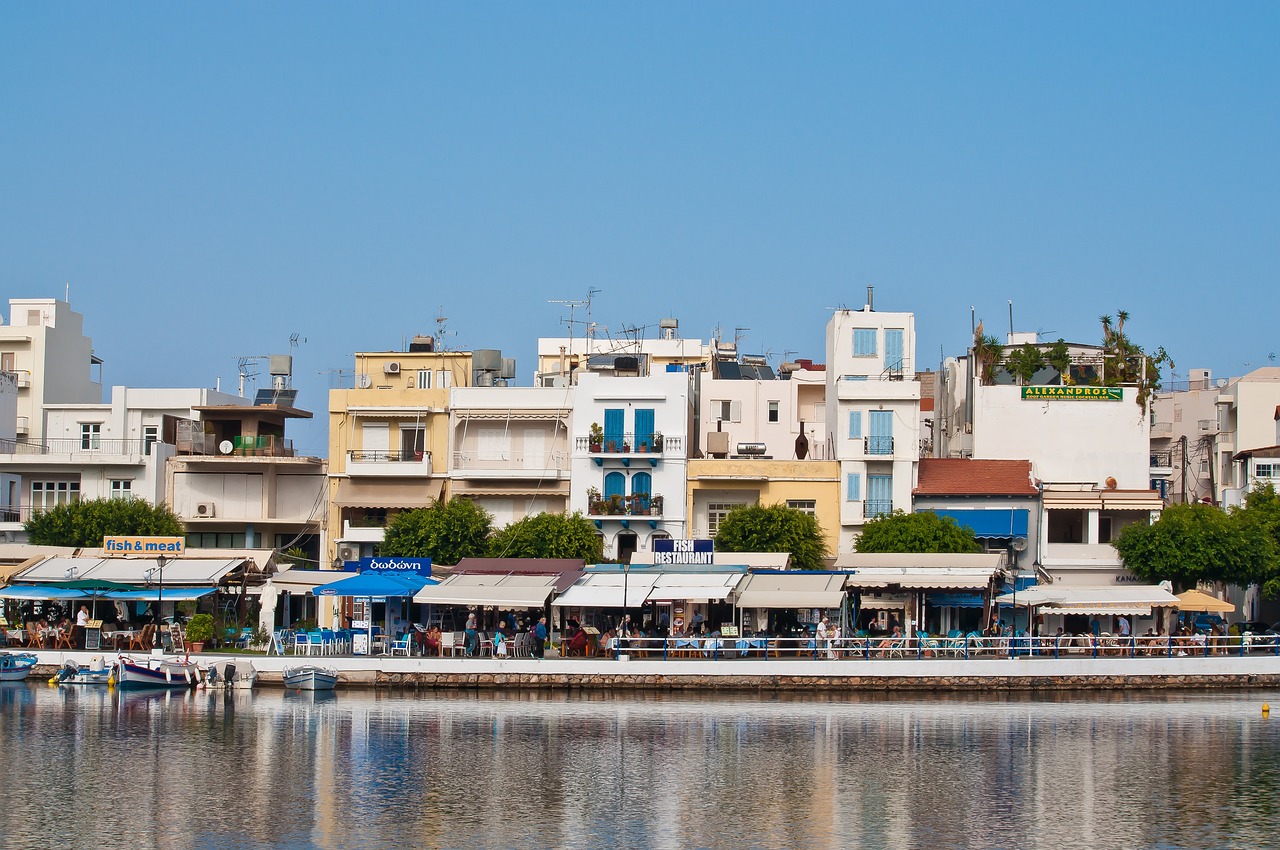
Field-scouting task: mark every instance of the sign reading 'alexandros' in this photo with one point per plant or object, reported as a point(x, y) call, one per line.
point(1073, 393)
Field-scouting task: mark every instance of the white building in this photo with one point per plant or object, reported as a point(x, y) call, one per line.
point(1246, 423)
point(1184, 429)
point(45, 346)
point(560, 359)
point(10, 482)
point(873, 413)
point(629, 458)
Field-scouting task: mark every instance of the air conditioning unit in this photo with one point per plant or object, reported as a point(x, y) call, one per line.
point(204, 509)
point(348, 553)
point(391, 369)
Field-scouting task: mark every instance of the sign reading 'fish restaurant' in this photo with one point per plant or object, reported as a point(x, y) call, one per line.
point(1073, 393)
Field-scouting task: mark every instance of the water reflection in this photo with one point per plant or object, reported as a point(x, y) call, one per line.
point(276, 769)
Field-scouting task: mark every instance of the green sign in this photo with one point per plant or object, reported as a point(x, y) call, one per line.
point(1073, 393)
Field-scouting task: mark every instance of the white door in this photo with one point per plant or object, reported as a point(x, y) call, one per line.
point(535, 448)
point(375, 440)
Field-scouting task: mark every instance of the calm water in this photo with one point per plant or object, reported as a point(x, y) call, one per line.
point(87, 767)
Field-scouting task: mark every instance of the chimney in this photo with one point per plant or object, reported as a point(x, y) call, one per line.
point(870, 303)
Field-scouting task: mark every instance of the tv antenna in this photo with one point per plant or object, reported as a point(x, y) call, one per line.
point(244, 364)
point(573, 305)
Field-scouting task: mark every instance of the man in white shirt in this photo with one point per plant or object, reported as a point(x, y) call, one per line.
point(1124, 626)
point(824, 634)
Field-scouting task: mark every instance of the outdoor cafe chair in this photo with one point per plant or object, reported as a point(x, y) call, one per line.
point(402, 645)
point(448, 644)
point(301, 643)
point(142, 640)
point(64, 637)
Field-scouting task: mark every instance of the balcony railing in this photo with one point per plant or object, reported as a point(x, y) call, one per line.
point(400, 462)
point(624, 506)
point(629, 443)
point(878, 507)
point(878, 445)
point(73, 445)
point(513, 463)
point(1161, 429)
point(1161, 459)
point(16, 513)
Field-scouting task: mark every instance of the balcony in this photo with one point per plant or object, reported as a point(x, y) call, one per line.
point(874, 446)
point(263, 445)
point(24, 378)
point(1162, 463)
point(510, 465)
point(388, 464)
point(878, 507)
point(362, 533)
point(856, 388)
point(1161, 429)
point(624, 509)
point(75, 450)
point(627, 447)
point(24, 425)
point(15, 515)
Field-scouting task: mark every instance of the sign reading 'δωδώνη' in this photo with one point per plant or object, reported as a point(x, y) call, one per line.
point(1073, 393)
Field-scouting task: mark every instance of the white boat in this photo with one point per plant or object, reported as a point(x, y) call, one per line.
point(231, 675)
point(156, 671)
point(96, 672)
point(16, 666)
point(310, 677)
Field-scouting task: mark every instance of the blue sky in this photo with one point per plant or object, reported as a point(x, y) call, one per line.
point(212, 179)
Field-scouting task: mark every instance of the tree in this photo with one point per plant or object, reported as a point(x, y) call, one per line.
point(1125, 362)
point(1198, 542)
point(446, 532)
point(84, 524)
point(1023, 363)
point(921, 532)
point(988, 352)
point(774, 528)
point(1262, 509)
point(548, 536)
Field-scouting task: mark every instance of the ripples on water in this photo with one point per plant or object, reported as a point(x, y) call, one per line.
point(87, 767)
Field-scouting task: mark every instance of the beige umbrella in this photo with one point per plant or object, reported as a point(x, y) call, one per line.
point(1194, 600)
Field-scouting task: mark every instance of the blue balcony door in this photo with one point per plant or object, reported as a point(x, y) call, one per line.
point(880, 441)
point(642, 482)
point(893, 349)
point(644, 428)
point(614, 429)
point(615, 484)
point(879, 495)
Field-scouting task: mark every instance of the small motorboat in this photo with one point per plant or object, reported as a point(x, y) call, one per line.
point(310, 677)
point(156, 671)
point(231, 675)
point(96, 672)
point(16, 666)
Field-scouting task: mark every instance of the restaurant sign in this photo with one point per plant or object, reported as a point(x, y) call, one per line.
point(132, 545)
point(396, 566)
point(669, 551)
point(1073, 393)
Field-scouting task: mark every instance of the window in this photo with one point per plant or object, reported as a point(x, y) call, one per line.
point(444, 379)
point(90, 435)
point(893, 340)
point(493, 444)
point(773, 411)
point(820, 411)
point(880, 442)
point(47, 494)
point(855, 424)
point(6, 362)
point(879, 495)
point(1267, 470)
point(864, 342)
point(121, 488)
point(1204, 467)
point(726, 410)
point(215, 540)
point(806, 506)
point(853, 487)
point(716, 512)
point(150, 436)
point(424, 379)
point(413, 442)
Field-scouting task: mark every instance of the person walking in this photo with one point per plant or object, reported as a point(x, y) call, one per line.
point(540, 638)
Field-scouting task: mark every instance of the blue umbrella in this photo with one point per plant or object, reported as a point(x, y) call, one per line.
point(370, 584)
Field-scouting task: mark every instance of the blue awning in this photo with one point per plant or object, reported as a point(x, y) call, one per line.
point(375, 584)
point(956, 600)
point(169, 594)
point(997, 522)
point(41, 591)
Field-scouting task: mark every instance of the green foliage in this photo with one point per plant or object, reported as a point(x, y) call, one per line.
point(446, 532)
point(1262, 510)
point(1197, 542)
point(1126, 363)
point(922, 532)
point(988, 352)
point(1058, 355)
point(548, 536)
point(774, 528)
point(200, 628)
point(1024, 362)
point(84, 524)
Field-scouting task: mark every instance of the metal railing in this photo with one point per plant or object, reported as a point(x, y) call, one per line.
point(877, 507)
point(1161, 459)
point(73, 445)
point(514, 461)
point(878, 445)
point(388, 456)
point(629, 506)
point(629, 443)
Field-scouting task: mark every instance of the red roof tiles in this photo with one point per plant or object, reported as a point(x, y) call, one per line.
point(941, 476)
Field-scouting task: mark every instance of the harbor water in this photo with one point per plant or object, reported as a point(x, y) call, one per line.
point(92, 767)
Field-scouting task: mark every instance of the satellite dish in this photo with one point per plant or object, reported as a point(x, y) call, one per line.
point(226, 447)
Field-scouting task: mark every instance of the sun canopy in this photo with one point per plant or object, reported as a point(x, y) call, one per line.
point(922, 578)
point(40, 591)
point(305, 581)
point(604, 590)
point(200, 572)
point(170, 594)
point(491, 590)
point(375, 584)
point(792, 590)
point(1136, 599)
point(1195, 600)
point(695, 587)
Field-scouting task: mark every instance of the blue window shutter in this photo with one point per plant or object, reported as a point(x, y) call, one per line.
point(644, 427)
point(614, 427)
point(615, 484)
point(855, 424)
point(853, 487)
point(893, 349)
point(864, 342)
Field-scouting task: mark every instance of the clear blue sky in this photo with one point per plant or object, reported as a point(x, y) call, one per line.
point(213, 178)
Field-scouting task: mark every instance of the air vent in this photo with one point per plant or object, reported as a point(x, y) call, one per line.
point(347, 553)
point(391, 369)
point(204, 509)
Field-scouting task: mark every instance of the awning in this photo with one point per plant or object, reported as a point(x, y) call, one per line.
point(388, 493)
point(304, 581)
point(40, 591)
point(566, 570)
point(1195, 600)
point(170, 594)
point(1136, 599)
point(956, 600)
point(695, 587)
point(996, 522)
point(375, 584)
point(752, 560)
point(491, 590)
point(200, 572)
point(914, 560)
point(604, 590)
point(792, 590)
point(922, 578)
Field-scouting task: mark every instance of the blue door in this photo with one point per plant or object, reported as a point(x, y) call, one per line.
point(615, 484)
point(893, 350)
point(644, 428)
point(880, 441)
point(614, 429)
point(642, 485)
point(879, 495)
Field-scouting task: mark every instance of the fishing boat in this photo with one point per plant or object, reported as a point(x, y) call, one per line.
point(231, 675)
point(93, 673)
point(310, 677)
point(156, 671)
point(16, 666)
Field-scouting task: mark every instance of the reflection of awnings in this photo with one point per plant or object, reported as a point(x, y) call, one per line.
point(41, 591)
point(604, 590)
point(1001, 522)
point(792, 590)
point(388, 494)
point(490, 590)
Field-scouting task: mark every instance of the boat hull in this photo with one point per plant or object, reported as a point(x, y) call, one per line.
point(311, 679)
point(84, 676)
point(131, 675)
point(16, 667)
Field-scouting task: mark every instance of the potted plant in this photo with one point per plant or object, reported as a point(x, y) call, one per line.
point(199, 630)
point(639, 502)
point(655, 506)
point(657, 441)
point(595, 505)
point(597, 437)
point(626, 447)
point(614, 505)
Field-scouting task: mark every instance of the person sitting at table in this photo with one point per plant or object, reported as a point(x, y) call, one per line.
point(606, 640)
point(893, 640)
point(577, 643)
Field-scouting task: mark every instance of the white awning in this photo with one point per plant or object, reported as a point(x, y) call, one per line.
point(918, 560)
point(491, 590)
point(1135, 599)
point(302, 581)
point(136, 571)
point(604, 590)
point(792, 590)
point(922, 578)
point(695, 587)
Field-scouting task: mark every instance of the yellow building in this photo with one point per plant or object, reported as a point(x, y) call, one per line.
point(389, 442)
point(717, 485)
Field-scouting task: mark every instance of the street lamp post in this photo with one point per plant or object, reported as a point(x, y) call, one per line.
point(160, 562)
point(622, 627)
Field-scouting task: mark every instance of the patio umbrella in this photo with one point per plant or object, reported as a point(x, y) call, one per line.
point(371, 584)
point(1194, 600)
